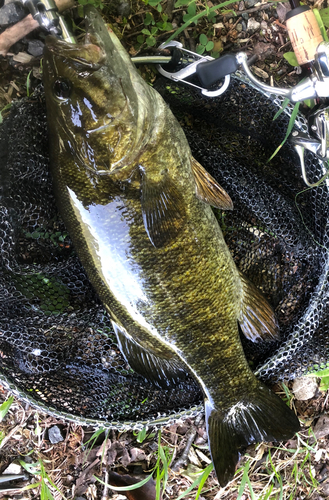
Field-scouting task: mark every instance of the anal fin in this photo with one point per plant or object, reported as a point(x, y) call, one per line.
point(162, 372)
point(207, 188)
point(257, 319)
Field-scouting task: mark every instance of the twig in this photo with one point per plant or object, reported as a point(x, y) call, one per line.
point(182, 460)
point(67, 437)
point(11, 433)
point(105, 494)
point(255, 9)
point(280, 24)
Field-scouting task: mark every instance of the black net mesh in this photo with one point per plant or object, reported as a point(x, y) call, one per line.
point(57, 347)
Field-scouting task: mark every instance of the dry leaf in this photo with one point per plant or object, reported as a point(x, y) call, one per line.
point(146, 492)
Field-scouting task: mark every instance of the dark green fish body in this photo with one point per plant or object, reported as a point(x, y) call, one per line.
point(136, 205)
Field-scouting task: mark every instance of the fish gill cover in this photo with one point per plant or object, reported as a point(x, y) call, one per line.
point(58, 350)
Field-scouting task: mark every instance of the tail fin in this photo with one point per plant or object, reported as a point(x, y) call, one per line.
point(261, 417)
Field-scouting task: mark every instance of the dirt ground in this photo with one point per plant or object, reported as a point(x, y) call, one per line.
point(63, 460)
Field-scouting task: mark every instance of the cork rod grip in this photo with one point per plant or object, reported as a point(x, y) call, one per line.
point(305, 35)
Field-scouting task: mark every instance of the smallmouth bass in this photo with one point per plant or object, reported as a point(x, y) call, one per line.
point(137, 207)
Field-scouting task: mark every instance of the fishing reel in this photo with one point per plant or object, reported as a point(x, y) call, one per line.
point(45, 12)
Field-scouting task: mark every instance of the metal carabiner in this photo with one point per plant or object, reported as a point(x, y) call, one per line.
point(190, 69)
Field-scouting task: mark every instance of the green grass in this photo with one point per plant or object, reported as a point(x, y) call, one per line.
point(38, 469)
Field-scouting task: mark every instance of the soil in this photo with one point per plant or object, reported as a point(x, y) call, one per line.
point(298, 469)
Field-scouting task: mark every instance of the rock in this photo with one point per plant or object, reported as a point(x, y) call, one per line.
point(244, 26)
point(13, 469)
point(264, 50)
point(121, 7)
point(321, 428)
point(252, 25)
point(11, 13)
point(263, 25)
point(304, 388)
point(239, 27)
point(54, 435)
point(250, 3)
point(35, 48)
point(245, 16)
point(124, 9)
point(325, 489)
point(260, 72)
point(241, 5)
point(22, 57)
point(281, 10)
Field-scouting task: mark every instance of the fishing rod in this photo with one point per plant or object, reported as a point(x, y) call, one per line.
point(212, 76)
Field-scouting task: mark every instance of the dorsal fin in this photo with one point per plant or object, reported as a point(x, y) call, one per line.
point(207, 188)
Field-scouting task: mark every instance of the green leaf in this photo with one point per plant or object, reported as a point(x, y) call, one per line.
point(283, 107)
point(203, 39)
point(200, 49)
point(166, 27)
point(203, 479)
point(4, 408)
point(140, 39)
point(4, 109)
point(321, 22)
point(205, 12)
point(146, 32)
point(319, 373)
point(141, 435)
point(179, 3)
point(324, 375)
point(192, 9)
point(159, 8)
point(187, 17)
point(243, 481)
point(148, 19)
point(125, 488)
point(324, 14)
point(209, 46)
point(28, 84)
point(150, 41)
point(229, 11)
point(289, 129)
point(154, 30)
point(291, 58)
point(197, 481)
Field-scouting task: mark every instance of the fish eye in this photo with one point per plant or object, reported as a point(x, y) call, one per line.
point(62, 89)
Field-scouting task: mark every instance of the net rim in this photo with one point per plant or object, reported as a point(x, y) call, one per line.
point(160, 420)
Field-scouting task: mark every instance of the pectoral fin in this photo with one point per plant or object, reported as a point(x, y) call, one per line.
point(208, 190)
point(163, 209)
point(162, 372)
point(257, 319)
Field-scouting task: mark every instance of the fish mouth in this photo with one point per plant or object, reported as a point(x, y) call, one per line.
point(89, 55)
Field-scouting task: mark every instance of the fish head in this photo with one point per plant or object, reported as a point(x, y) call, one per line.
point(97, 104)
